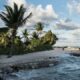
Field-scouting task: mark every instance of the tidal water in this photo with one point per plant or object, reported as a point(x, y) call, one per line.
point(67, 69)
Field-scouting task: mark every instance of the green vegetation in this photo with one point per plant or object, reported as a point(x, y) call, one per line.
point(39, 26)
point(14, 18)
point(34, 44)
point(11, 44)
point(49, 38)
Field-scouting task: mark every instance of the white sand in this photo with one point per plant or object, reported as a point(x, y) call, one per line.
point(31, 57)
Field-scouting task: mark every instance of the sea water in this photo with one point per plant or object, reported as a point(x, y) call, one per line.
point(67, 69)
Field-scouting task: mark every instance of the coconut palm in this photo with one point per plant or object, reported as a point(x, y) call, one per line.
point(25, 33)
point(14, 18)
point(39, 26)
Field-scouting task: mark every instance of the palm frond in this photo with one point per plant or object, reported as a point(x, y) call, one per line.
point(5, 14)
point(14, 17)
point(21, 12)
point(15, 9)
point(4, 18)
point(24, 20)
point(9, 10)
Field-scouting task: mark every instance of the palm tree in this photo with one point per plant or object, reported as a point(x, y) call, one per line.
point(35, 35)
point(39, 26)
point(25, 34)
point(49, 38)
point(14, 18)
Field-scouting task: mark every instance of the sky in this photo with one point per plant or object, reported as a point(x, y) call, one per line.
point(61, 16)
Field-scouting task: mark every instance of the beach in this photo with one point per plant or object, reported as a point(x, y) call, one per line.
point(66, 65)
point(31, 57)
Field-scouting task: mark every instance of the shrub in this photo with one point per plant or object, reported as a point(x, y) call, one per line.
point(49, 38)
point(35, 35)
point(34, 44)
point(30, 45)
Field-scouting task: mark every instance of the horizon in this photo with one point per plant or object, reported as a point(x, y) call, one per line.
point(62, 17)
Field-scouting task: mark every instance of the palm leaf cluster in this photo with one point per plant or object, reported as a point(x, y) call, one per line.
point(39, 26)
point(14, 17)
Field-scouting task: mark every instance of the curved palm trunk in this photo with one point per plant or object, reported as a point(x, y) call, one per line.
point(12, 47)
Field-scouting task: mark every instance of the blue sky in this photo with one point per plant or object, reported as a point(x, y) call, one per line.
point(63, 17)
point(2, 2)
point(60, 7)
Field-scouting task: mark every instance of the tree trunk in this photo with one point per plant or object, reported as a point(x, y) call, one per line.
point(12, 48)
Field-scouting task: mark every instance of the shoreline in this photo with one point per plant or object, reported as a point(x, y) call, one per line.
point(35, 57)
point(26, 58)
point(34, 60)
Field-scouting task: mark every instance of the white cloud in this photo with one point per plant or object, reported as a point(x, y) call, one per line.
point(1, 24)
point(78, 8)
point(41, 14)
point(19, 2)
point(73, 6)
point(68, 38)
point(68, 33)
point(66, 24)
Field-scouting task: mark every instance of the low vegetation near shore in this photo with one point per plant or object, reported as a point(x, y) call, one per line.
point(33, 44)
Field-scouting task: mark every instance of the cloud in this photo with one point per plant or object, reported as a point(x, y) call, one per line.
point(68, 38)
point(68, 33)
point(73, 6)
point(1, 24)
point(66, 24)
point(19, 2)
point(40, 14)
